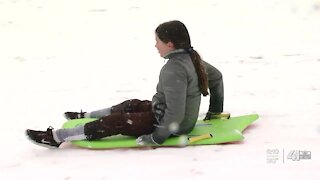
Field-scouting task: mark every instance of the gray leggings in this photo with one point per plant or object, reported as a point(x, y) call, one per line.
point(99, 113)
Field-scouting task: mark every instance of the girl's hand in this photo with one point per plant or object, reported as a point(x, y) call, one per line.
point(158, 111)
point(146, 140)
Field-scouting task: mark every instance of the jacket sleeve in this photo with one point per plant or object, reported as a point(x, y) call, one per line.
point(216, 88)
point(157, 98)
point(174, 83)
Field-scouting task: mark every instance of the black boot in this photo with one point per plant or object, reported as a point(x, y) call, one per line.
point(74, 115)
point(42, 138)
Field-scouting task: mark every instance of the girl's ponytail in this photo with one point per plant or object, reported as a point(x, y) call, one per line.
point(201, 72)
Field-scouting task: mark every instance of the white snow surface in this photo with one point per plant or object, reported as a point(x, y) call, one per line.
point(58, 56)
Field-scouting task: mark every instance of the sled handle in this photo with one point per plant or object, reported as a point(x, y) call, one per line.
point(199, 138)
point(223, 115)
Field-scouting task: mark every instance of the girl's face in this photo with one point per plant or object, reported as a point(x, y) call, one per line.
point(162, 47)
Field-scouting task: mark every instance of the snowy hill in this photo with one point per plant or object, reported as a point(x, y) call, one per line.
point(59, 56)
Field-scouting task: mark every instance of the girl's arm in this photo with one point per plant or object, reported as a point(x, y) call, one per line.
point(174, 84)
point(215, 87)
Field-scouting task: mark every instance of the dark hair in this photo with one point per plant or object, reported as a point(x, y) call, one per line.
point(176, 33)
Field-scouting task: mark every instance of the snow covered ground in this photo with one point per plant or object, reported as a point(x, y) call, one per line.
point(58, 56)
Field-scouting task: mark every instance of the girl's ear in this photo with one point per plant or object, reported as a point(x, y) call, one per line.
point(170, 44)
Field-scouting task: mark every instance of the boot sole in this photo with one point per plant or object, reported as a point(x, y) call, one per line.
point(39, 144)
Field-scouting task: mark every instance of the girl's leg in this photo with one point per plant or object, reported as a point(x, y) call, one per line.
point(99, 113)
point(63, 135)
point(131, 118)
point(129, 124)
point(132, 106)
point(128, 106)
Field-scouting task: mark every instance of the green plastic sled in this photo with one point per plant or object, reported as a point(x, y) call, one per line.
point(215, 131)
